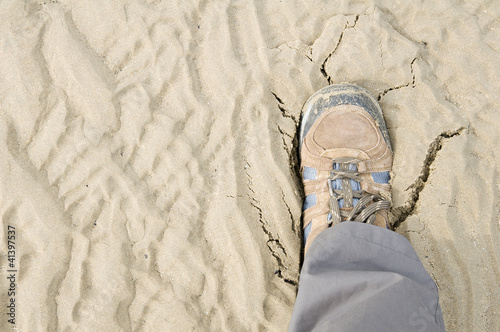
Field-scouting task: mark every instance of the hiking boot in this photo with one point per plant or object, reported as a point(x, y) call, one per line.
point(345, 160)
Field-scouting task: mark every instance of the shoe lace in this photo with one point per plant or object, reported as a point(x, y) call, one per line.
point(368, 203)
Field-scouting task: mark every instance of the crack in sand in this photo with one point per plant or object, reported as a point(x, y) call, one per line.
point(401, 213)
point(419, 232)
point(295, 227)
point(305, 54)
point(412, 83)
point(284, 111)
point(293, 160)
point(273, 243)
point(323, 65)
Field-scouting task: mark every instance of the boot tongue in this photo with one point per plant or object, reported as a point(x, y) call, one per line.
point(338, 184)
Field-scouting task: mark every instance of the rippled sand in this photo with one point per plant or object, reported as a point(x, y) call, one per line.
point(148, 153)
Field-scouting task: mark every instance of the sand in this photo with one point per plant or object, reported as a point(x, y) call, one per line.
point(148, 161)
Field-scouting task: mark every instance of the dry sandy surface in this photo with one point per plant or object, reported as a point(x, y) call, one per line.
point(148, 154)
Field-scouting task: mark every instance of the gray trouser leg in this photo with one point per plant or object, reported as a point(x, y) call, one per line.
point(359, 277)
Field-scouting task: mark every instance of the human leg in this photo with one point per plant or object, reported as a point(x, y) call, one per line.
point(359, 277)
